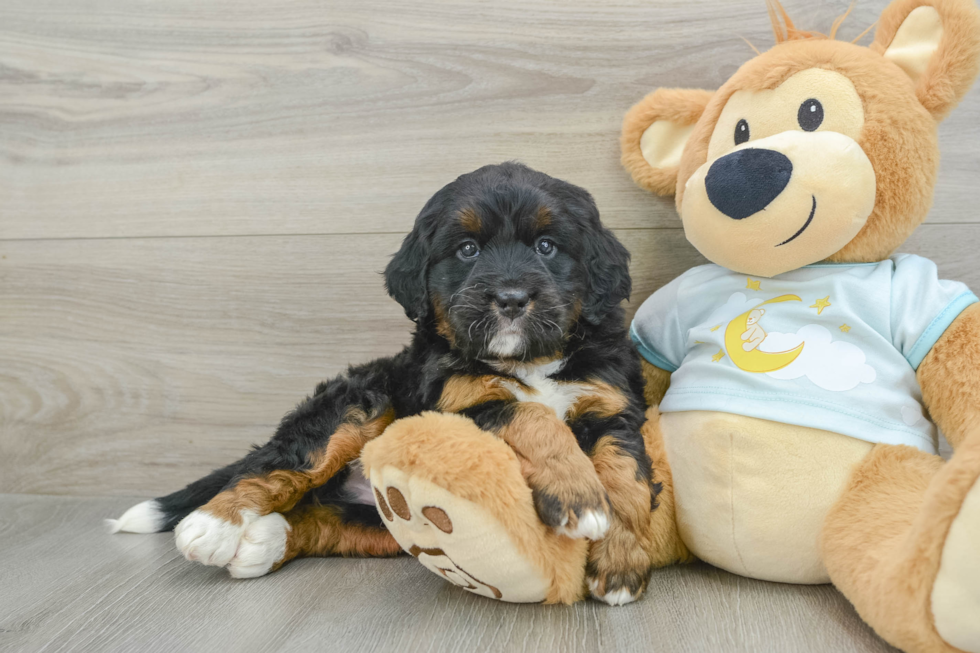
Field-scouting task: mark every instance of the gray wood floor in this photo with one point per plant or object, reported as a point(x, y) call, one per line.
point(196, 198)
point(68, 586)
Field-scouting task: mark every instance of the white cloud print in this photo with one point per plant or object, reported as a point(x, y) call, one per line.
point(834, 366)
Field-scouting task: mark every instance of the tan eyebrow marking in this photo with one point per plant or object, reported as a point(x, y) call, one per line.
point(543, 218)
point(470, 221)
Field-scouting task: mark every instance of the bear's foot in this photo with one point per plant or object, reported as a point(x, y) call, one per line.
point(453, 496)
point(956, 590)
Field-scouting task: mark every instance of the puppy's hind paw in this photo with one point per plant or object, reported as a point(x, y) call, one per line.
point(210, 540)
point(263, 545)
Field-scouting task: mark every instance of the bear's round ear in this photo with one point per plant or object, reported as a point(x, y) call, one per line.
point(937, 43)
point(655, 132)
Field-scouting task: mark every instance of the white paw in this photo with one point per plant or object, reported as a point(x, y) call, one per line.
point(591, 525)
point(144, 517)
point(622, 596)
point(262, 545)
point(210, 540)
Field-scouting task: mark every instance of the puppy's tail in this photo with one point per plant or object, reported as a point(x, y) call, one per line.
point(163, 513)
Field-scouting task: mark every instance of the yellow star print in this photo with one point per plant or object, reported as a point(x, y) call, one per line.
point(845, 328)
point(821, 304)
point(717, 357)
point(698, 342)
point(715, 328)
point(752, 284)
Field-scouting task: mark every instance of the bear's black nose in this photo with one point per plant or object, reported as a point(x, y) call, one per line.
point(743, 183)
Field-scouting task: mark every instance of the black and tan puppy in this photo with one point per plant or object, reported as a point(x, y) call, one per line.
point(515, 289)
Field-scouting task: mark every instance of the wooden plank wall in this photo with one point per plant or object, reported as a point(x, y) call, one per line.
point(196, 198)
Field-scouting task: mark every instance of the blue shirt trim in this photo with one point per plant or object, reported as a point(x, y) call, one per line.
point(937, 327)
point(652, 356)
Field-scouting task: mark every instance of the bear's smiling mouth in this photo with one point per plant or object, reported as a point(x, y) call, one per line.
point(805, 224)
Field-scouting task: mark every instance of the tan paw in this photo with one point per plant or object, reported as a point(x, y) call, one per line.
point(455, 538)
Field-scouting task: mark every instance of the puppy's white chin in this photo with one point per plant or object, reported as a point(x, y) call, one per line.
point(506, 343)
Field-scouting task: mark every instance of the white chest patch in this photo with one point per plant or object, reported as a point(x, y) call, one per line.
point(539, 387)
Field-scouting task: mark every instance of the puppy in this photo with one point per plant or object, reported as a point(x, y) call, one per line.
point(515, 288)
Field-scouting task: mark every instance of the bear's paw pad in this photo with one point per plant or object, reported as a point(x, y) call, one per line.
point(456, 539)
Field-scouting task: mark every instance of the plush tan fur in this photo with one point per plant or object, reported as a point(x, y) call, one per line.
point(677, 105)
point(883, 540)
point(451, 452)
point(954, 67)
point(950, 377)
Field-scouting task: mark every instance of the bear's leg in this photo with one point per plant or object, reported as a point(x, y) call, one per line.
point(664, 545)
point(901, 544)
point(453, 496)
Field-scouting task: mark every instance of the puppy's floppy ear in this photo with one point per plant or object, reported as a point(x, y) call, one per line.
point(607, 262)
point(937, 43)
point(406, 273)
point(655, 132)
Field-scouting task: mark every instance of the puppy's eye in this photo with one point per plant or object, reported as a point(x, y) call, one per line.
point(741, 132)
point(469, 249)
point(810, 115)
point(546, 247)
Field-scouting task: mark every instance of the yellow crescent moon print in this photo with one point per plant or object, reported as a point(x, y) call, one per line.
point(755, 360)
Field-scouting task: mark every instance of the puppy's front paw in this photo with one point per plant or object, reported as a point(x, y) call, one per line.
point(618, 567)
point(613, 591)
point(210, 540)
point(576, 509)
point(262, 547)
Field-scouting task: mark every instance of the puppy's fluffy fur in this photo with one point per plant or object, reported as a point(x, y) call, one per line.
point(515, 289)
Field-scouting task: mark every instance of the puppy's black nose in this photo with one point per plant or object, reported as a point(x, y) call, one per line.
point(511, 302)
point(743, 183)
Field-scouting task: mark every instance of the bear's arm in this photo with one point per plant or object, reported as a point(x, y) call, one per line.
point(950, 377)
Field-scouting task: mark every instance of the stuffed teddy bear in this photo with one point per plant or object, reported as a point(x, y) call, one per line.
point(798, 379)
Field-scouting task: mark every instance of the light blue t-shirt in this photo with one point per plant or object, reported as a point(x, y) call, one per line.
point(829, 346)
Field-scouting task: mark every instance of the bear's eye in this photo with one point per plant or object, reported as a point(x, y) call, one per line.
point(810, 115)
point(741, 132)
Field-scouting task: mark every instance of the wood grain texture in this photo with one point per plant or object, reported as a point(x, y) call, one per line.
point(127, 118)
point(131, 366)
point(137, 365)
point(68, 586)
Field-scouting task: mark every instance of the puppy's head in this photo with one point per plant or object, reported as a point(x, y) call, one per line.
point(505, 261)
